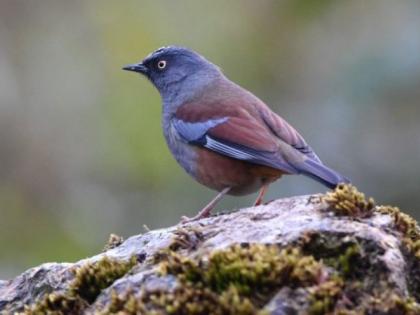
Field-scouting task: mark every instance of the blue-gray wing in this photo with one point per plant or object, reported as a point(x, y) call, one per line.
point(200, 133)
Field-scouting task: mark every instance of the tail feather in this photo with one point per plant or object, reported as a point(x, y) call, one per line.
point(322, 173)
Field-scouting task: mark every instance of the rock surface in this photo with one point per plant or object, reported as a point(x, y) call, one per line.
point(301, 255)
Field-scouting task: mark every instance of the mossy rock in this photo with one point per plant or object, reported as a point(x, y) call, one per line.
point(336, 253)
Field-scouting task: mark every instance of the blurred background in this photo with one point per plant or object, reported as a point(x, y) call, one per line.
point(81, 150)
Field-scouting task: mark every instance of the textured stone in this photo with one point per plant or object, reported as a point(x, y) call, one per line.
point(288, 222)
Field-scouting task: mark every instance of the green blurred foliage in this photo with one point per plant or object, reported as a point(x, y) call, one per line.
point(81, 149)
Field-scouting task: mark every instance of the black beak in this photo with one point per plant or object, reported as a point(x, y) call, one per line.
point(137, 67)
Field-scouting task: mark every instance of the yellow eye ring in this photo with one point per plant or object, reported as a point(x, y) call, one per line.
point(161, 64)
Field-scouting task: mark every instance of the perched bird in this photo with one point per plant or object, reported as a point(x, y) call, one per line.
point(220, 133)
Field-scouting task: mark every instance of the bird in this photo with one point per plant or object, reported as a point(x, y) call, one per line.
point(221, 134)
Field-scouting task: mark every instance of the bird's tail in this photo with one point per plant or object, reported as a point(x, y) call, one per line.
point(322, 173)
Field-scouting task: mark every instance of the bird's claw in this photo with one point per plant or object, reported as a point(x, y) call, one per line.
point(185, 219)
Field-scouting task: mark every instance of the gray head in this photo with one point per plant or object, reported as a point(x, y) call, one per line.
point(178, 73)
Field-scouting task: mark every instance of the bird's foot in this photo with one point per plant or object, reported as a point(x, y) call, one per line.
point(200, 215)
point(262, 203)
point(268, 202)
point(205, 212)
point(260, 198)
point(185, 219)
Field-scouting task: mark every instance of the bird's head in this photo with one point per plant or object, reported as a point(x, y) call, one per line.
point(177, 72)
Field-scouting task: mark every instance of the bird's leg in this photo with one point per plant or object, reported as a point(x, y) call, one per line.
point(261, 194)
point(205, 212)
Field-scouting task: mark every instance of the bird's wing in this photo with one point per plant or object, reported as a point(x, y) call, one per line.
point(235, 133)
point(282, 129)
point(251, 132)
point(311, 165)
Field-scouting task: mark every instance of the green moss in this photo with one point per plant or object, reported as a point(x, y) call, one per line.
point(403, 223)
point(238, 280)
point(127, 304)
point(325, 246)
point(323, 297)
point(353, 258)
point(188, 299)
point(410, 241)
point(90, 279)
point(260, 266)
point(357, 272)
point(56, 304)
point(404, 306)
point(347, 261)
point(247, 268)
point(194, 300)
point(184, 267)
point(388, 303)
point(346, 200)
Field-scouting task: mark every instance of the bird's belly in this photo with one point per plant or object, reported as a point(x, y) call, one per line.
point(218, 172)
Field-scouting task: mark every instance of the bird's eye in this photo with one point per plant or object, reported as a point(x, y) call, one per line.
point(161, 64)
